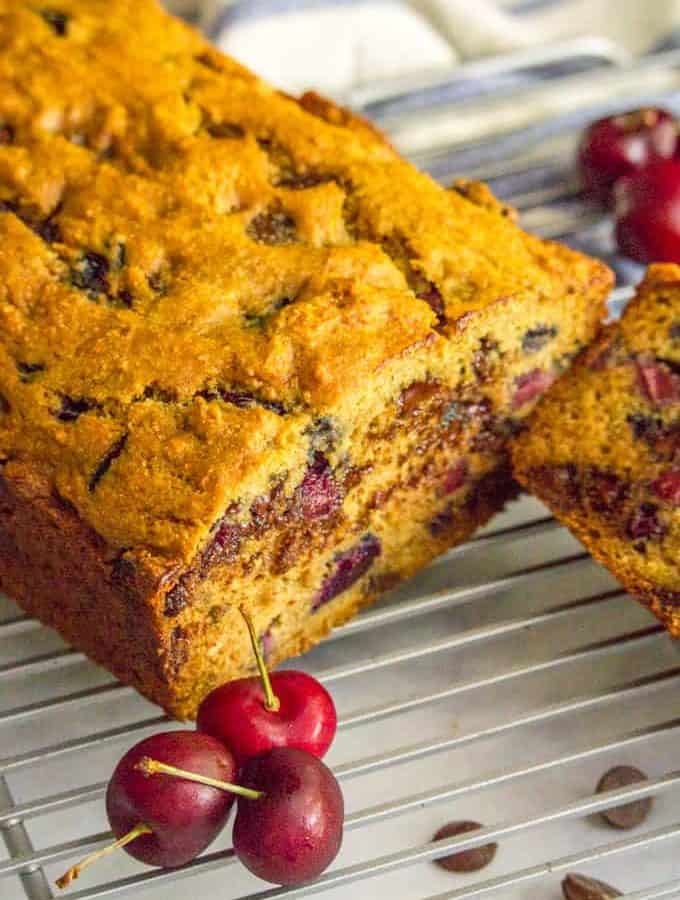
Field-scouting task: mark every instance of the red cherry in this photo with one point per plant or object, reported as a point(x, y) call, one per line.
point(285, 709)
point(647, 210)
point(622, 145)
point(530, 386)
point(292, 833)
point(659, 379)
point(163, 820)
point(237, 715)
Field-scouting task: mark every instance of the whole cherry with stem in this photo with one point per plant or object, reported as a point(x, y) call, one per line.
point(284, 709)
point(166, 821)
point(289, 821)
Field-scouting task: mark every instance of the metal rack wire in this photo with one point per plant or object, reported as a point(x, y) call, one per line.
point(515, 661)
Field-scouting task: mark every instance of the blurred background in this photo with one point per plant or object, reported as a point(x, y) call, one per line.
point(339, 45)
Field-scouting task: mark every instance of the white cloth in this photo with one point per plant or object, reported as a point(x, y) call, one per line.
point(334, 45)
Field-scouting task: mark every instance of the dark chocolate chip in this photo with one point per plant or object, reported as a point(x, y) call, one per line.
point(662, 438)
point(293, 181)
point(537, 338)
point(581, 887)
point(105, 462)
point(643, 426)
point(227, 130)
point(48, 230)
point(348, 568)
point(175, 600)
point(432, 296)
point(644, 524)
point(91, 274)
point(273, 226)
point(674, 332)
point(628, 815)
point(58, 21)
point(6, 133)
point(73, 407)
point(125, 298)
point(471, 860)
point(4, 404)
point(28, 370)
point(242, 399)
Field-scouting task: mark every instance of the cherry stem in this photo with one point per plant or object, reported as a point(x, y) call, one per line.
point(271, 701)
point(75, 871)
point(154, 767)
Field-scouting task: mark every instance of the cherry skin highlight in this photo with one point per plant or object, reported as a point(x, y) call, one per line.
point(184, 817)
point(237, 715)
point(293, 833)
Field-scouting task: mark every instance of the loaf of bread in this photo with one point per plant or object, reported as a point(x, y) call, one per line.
point(603, 447)
point(249, 357)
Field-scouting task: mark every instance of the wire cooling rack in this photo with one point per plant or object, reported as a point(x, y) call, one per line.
point(497, 686)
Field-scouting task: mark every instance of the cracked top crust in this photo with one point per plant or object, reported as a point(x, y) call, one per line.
point(194, 268)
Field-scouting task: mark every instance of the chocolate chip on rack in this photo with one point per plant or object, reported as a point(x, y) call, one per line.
point(581, 887)
point(471, 860)
point(628, 815)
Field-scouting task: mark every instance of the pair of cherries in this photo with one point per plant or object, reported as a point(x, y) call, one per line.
point(171, 794)
point(631, 163)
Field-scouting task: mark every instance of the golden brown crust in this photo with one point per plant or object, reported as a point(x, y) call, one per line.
point(341, 116)
point(211, 296)
point(603, 448)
